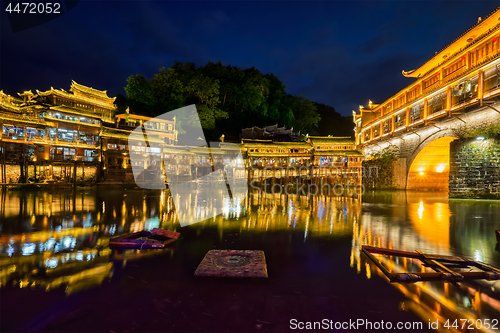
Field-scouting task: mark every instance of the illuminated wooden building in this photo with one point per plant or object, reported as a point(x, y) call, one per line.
point(54, 133)
point(122, 148)
point(262, 153)
point(457, 78)
point(318, 157)
point(74, 135)
point(336, 157)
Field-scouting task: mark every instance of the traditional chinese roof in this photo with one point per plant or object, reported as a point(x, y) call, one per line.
point(129, 135)
point(339, 140)
point(72, 145)
point(231, 146)
point(80, 97)
point(478, 31)
point(15, 120)
point(278, 155)
point(136, 116)
point(79, 89)
point(177, 150)
point(68, 109)
point(271, 144)
point(354, 153)
point(9, 102)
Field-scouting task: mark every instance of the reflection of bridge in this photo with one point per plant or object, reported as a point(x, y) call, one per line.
point(456, 93)
point(428, 224)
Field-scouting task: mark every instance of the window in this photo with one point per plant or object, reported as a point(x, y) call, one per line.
point(490, 78)
point(66, 135)
point(464, 91)
point(456, 66)
point(399, 101)
point(400, 120)
point(436, 103)
point(416, 112)
point(13, 132)
point(387, 108)
point(366, 135)
point(485, 51)
point(386, 126)
point(413, 93)
point(88, 138)
point(430, 82)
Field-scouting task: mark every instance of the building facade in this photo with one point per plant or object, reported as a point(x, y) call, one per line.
point(76, 136)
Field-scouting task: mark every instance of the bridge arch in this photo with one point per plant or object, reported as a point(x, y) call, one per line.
point(429, 164)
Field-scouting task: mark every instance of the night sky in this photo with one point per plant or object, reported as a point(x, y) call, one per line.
point(339, 53)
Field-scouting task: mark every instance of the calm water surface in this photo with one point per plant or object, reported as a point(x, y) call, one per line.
point(48, 239)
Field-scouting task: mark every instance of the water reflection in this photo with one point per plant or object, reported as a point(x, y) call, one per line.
point(54, 239)
point(430, 223)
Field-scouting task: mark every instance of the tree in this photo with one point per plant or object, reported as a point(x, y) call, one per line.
point(204, 92)
point(168, 91)
point(306, 117)
point(333, 123)
point(139, 94)
point(278, 110)
point(121, 103)
point(228, 99)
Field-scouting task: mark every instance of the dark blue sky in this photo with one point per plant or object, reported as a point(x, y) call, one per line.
point(340, 53)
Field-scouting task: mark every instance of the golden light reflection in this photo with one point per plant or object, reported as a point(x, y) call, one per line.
point(421, 209)
point(431, 222)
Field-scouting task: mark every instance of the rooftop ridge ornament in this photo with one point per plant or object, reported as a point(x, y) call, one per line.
point(27, 96)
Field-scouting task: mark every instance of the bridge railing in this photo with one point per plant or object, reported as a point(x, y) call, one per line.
point(473, 88)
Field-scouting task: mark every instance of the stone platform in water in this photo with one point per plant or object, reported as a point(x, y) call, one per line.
point(233, 263)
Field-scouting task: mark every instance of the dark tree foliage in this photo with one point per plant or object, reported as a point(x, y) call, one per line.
point(333, 123)
point(228, 99)
point(139, 94)
point(121, 103)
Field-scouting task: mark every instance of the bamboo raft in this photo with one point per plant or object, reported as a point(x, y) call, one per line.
point(156, 239)
point(442, 265)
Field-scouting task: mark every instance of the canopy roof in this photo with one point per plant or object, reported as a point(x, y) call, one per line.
point(477, 32)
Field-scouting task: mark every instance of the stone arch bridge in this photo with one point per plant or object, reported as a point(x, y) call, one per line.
point(424, 161)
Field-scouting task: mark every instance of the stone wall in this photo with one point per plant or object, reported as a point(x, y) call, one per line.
point(475, 168)
point(391, 175)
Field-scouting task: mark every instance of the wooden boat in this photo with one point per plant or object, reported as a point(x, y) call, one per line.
point(166, 233)
point(143, 240)
point(497, 232)
point(442, 265)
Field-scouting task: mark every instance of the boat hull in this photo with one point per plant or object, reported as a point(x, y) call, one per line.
point(140, 240)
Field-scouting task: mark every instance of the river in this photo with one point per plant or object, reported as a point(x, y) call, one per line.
point(55, 242)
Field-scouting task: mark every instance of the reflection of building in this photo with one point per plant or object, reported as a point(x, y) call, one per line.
point(426, 227)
